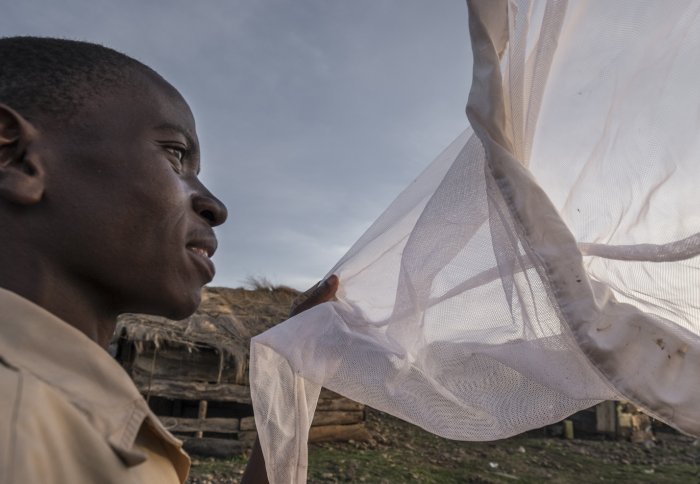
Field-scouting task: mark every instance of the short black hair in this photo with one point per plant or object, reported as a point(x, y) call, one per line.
point(48, 78)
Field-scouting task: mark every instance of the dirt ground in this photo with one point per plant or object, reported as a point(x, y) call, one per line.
point(402, 453)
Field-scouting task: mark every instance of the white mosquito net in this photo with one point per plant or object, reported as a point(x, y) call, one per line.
point(546, 260)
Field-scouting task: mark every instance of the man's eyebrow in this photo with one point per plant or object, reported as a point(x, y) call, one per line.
point(191, 142)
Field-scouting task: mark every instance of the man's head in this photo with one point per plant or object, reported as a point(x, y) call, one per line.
point(99, 192)
point(46, 78)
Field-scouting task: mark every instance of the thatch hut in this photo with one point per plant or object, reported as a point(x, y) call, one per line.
point(194, 372)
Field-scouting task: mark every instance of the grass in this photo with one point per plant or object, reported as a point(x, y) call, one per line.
point(418, 457)
point(402, 453)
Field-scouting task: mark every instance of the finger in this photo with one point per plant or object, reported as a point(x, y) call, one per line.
point(322, 292)
point(303, 297)
point(329, 288)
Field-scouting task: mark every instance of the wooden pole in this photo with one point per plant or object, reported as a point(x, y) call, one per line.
point(150, 375)
point(201, 415)
point(568, 429)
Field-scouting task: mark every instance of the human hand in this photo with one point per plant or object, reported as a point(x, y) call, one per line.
point(322, 292)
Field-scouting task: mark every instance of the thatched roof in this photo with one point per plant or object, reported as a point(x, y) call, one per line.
point(226, 320)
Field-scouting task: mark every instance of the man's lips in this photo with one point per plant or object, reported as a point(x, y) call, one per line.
point(203, 248)
point(199, 250)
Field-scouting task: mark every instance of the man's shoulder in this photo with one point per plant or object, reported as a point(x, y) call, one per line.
point(22, 394)
point(10, 398)
point(11, 384)
point(44, 437)
point(29, 405)
point(9, 379)
point(23, 398)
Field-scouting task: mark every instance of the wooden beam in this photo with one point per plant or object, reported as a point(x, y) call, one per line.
point(339, 403)
point(323, 433)
point(214, 447)
point(248, 423)
point(606, 418)
point(335, 433)
point(202, 365)
point(337, 418)
point(247, 438)
point(173, 389)
point(221, 425)
point(329, 400)
point(320, 418)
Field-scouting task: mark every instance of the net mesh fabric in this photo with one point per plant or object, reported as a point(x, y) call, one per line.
point(546, 260)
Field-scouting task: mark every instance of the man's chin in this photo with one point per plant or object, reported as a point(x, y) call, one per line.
point(180, 314)
point(185, 308)
point(175, 307)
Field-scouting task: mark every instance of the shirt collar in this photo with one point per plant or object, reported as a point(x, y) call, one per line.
point(36, 341)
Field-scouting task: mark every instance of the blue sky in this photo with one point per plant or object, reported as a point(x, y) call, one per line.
point(312, 114)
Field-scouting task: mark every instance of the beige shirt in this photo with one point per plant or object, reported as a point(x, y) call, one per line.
point(69, 413)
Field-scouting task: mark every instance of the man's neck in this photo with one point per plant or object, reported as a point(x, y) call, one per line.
point(77, 304)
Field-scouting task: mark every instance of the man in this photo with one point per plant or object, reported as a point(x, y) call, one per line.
point(102, 213)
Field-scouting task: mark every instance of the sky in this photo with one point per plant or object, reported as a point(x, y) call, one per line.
point(312, 115)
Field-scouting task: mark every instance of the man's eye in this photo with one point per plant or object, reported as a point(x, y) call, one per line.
point(178, 153)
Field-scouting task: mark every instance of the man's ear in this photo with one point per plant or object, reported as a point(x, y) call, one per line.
point(21, 172)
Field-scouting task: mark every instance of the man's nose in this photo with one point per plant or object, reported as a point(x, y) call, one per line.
point(209, 207)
